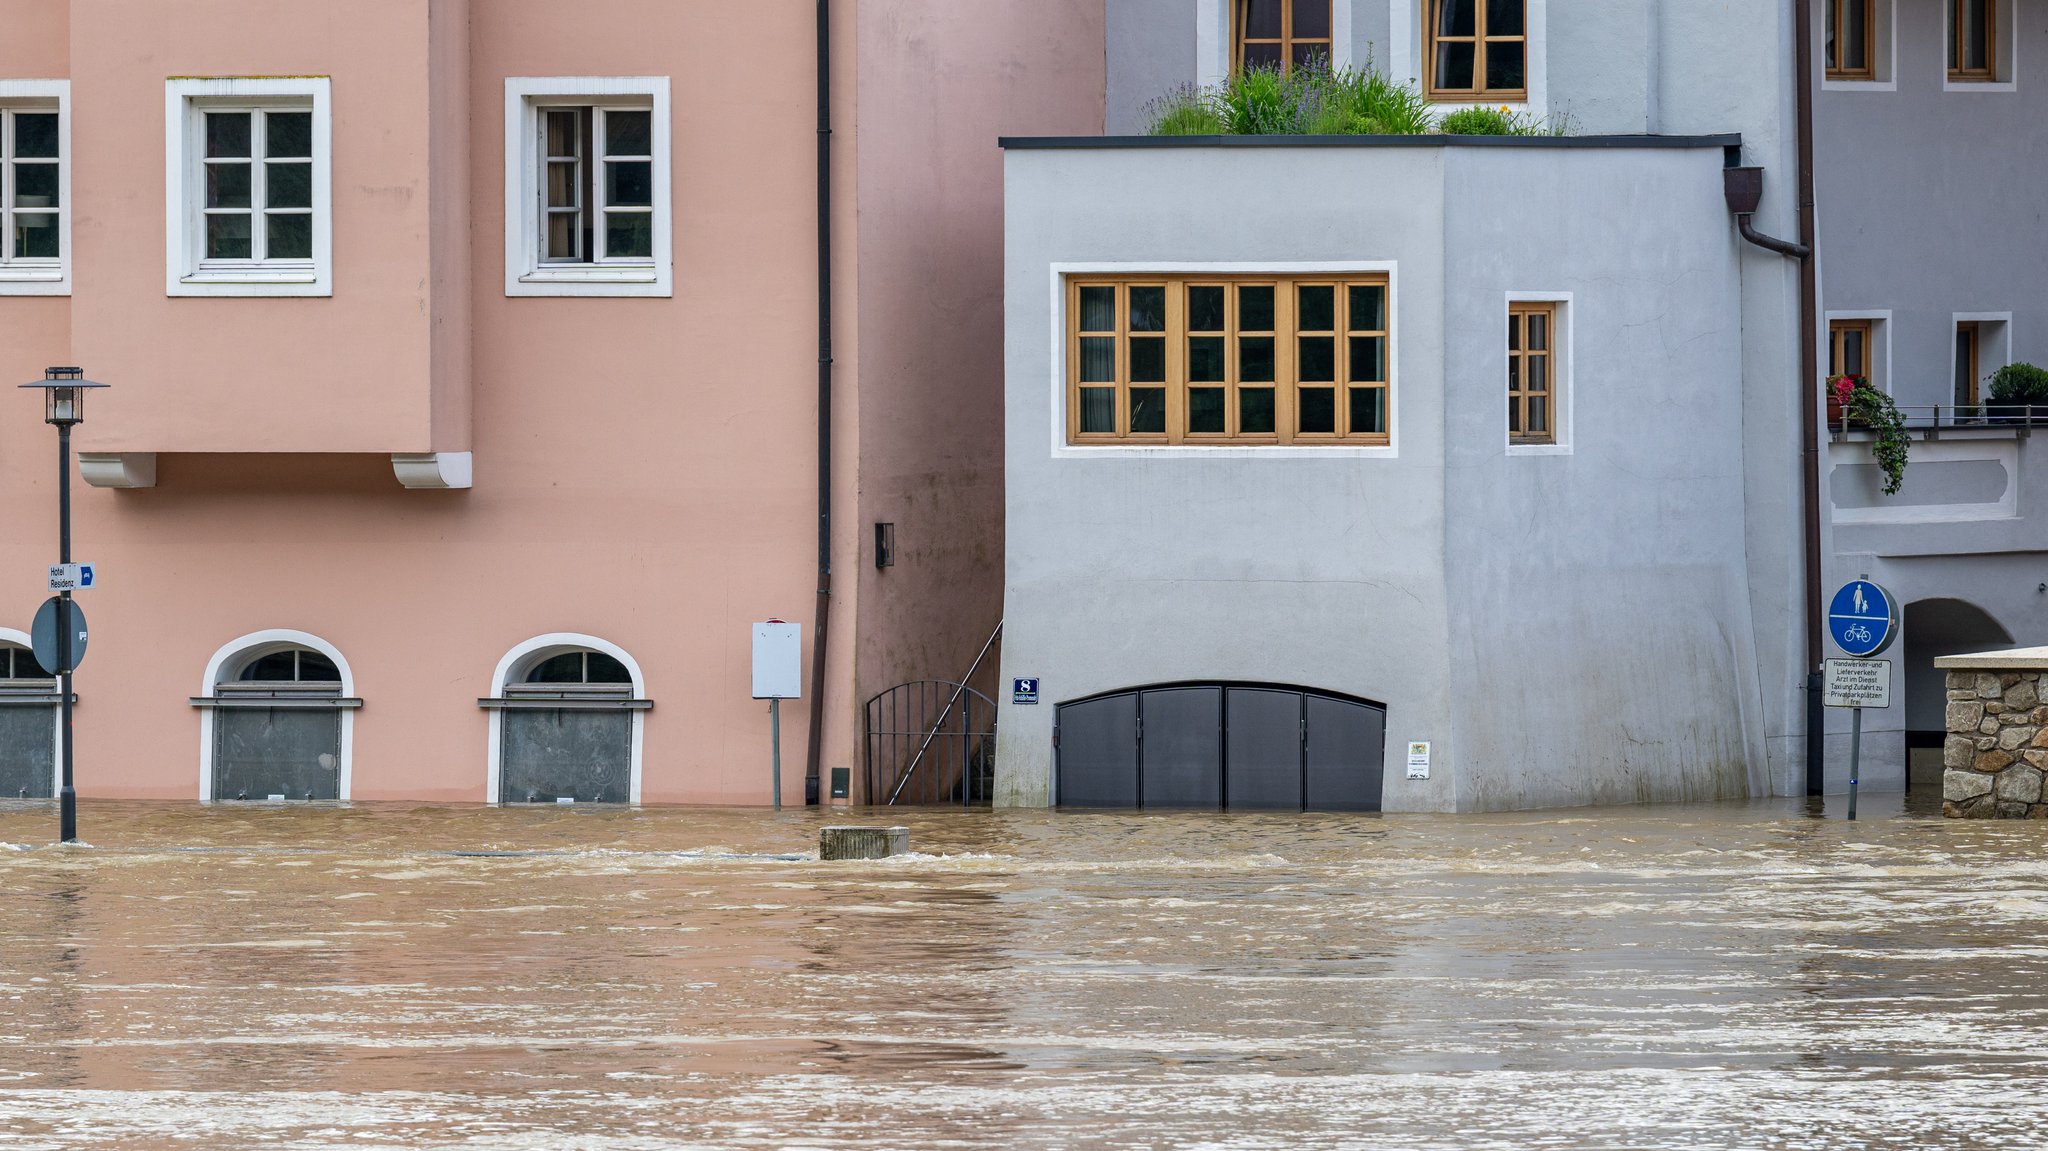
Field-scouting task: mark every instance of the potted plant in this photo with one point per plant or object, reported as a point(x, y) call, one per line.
point(1853, 403)
point(1839, 389)
point(2019, 386)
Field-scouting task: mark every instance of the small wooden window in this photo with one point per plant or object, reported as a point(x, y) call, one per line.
point(1969, 363)
point(1532, 373)
point(1972, 40)
point(1228, 360)
point(1281, 34)
point(1849, 348)
point(1847, 43)
point(1476, 49)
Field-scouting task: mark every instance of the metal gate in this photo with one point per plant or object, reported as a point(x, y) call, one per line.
point(1235, 746)
point(930, 742)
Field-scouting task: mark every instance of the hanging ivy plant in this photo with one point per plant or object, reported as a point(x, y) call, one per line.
point(1865, 406)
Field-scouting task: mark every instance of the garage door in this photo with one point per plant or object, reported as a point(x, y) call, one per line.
point(1234, 746)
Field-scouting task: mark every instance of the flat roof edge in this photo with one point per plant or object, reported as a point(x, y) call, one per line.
point(1051, 143)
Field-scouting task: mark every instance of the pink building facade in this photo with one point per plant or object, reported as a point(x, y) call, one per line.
point(465, 366)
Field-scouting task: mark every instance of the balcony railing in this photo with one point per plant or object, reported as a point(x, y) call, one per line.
point(1929, 421)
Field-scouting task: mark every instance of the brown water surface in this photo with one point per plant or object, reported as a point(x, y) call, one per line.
point(1716, 976)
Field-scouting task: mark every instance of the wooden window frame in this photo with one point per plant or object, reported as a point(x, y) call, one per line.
point(259, 161)
point(1520, 374)
point(1838, 332)
point(1834, 19)
point(1479, 93)
point(1286, 336)
point(592, 210)
point(1958, 71)
point(10, 172)
point(1974, 372)
point(1240, 17)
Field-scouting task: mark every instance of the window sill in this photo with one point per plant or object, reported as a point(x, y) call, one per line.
point(1514, 101)
point(1224, 451)
point(1539, 449)
point(1866, 84)
point(303, 281)
point(53, 280)
point(1964, 84)
point(592, 280)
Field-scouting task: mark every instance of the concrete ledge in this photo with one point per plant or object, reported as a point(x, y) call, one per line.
point(118, 469)
point(431, 470)
point(862, 842)
point(2013, 659)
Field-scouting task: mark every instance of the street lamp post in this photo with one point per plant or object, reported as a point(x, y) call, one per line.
point(64, 406)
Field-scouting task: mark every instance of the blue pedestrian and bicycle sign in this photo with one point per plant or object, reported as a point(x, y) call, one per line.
point(1863, 618)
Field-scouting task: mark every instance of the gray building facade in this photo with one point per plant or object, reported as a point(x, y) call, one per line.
point(1620, 619)
point(1932, 241)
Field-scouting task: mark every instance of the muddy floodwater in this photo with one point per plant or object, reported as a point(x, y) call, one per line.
point(1719, 976)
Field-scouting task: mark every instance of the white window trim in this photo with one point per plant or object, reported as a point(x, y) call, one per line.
point(1404, 28)
point(44, 279)
point(533, 651)
point(1563, 395)
point(24, 640)
point(525, 274)
point(2006, 52)
point(1880, 373)
point(1061, 449)
point(1214, 38)
point(1886, 54)
point(184, 232)
point(237, 654)
point(1991, 355)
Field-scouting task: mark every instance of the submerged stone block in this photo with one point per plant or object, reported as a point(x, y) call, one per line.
point(862, 842)
point(2019, 785)
point(1957, 786)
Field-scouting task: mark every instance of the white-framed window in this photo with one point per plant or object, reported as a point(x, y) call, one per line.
point(35, 187)
point(1538, 370)
point(588, 205)
point(1857, 45)
point(1979, 46)
point(1432, 46)
point(247, 171)
point(568, 723)
point(276, 720)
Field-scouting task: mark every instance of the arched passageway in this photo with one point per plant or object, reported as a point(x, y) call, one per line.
point(1935, 628)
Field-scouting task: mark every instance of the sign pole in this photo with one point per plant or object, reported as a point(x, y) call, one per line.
point(67, 797)
point(775, 746)
point(1855, 754)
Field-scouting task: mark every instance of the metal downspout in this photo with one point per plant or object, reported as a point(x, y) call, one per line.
point(823, 617)
point(1809, 374)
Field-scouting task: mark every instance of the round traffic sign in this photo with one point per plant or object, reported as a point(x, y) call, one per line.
point(43, 635)
point(1863, 618)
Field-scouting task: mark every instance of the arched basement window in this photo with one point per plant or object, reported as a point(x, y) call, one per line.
point(278, 725)
point(568, 729)
point(28, 725)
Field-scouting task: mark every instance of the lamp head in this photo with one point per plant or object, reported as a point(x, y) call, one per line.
point(64, 391)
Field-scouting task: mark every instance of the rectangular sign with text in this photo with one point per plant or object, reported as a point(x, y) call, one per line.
point(1858, 683)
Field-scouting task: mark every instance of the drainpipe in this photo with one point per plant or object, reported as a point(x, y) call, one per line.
point(1744, 188)
point(823, 618)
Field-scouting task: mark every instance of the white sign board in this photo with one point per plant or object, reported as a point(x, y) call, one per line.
point(72, 577)
point(1418, 760)
point(1858, 683)
point(778, 660)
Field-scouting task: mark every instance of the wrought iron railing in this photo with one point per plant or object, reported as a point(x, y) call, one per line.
point(1930, 420)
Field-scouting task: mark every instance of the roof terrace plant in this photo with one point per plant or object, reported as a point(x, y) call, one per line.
point(1361, 101)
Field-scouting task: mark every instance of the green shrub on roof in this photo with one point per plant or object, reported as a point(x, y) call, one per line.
point(1320, 101)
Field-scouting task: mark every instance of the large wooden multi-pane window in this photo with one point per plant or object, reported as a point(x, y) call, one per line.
point(1972, 39)
point(1281, 34)
point(1228, 360)
point(1532, 376)
point(1476, 49)
point(1847, 40)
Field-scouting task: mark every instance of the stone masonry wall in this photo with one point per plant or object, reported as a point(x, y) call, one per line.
point(1997, 749)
